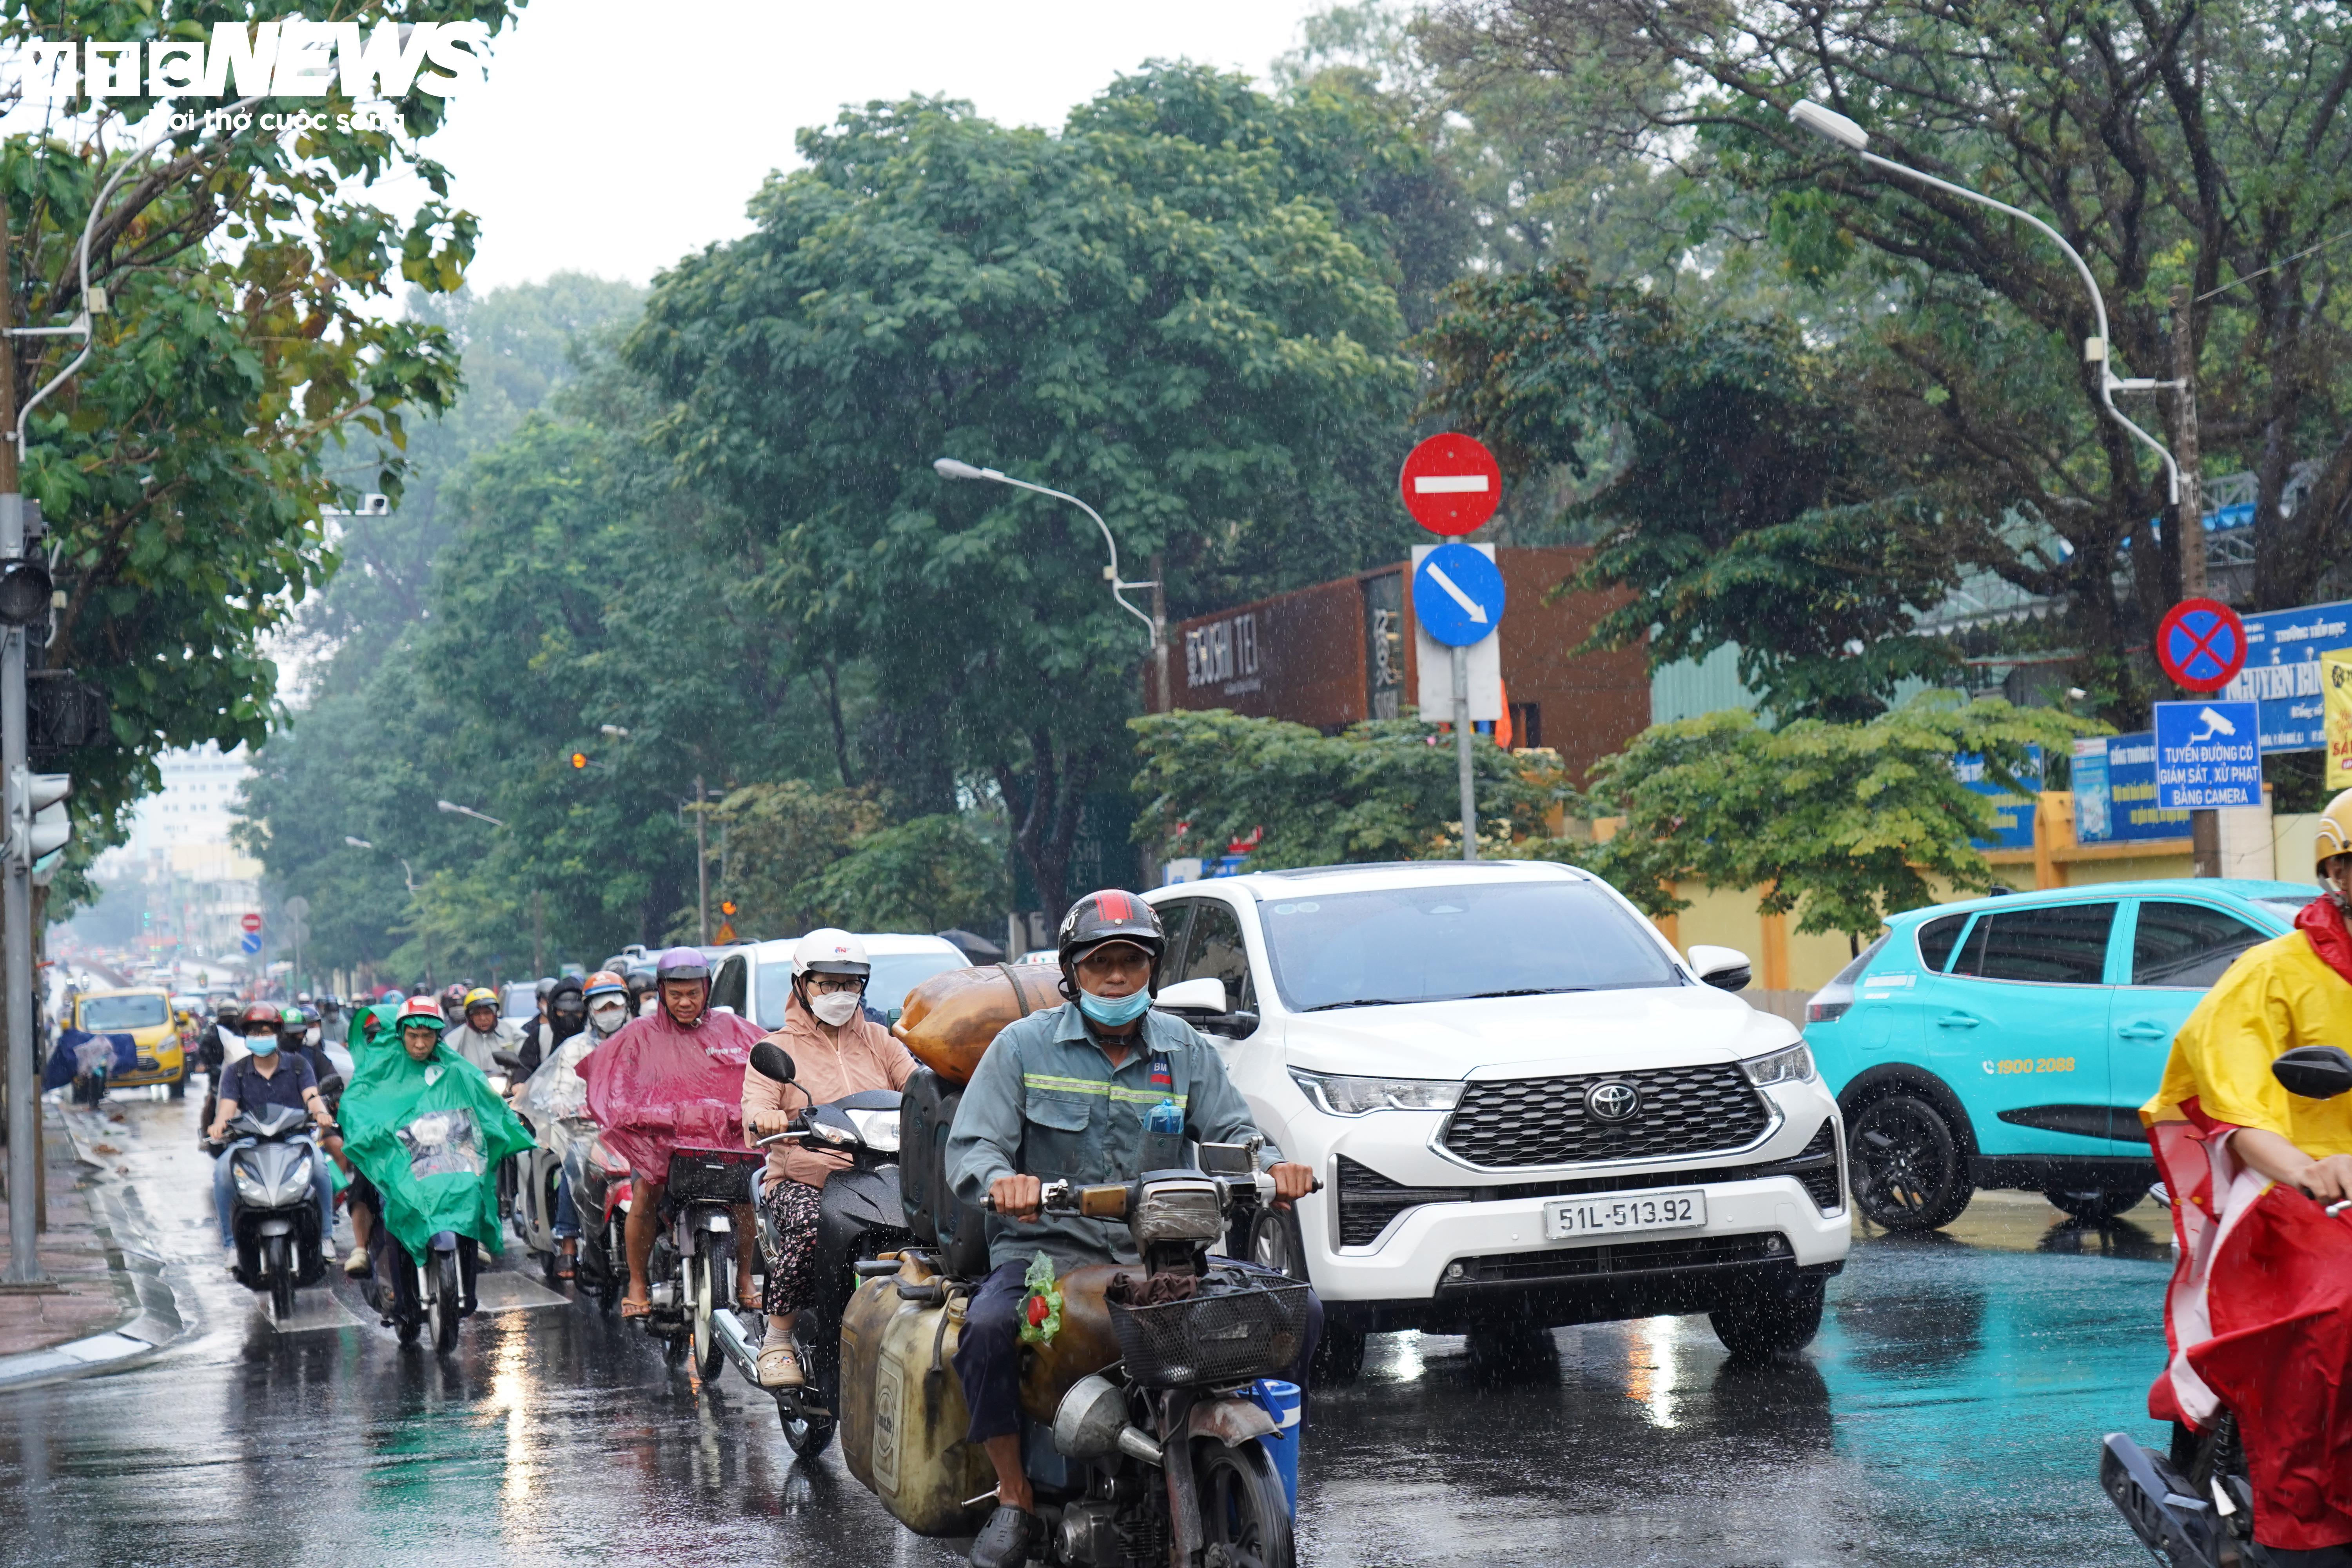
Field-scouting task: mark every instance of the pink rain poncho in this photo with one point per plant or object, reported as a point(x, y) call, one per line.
point(654, 1086)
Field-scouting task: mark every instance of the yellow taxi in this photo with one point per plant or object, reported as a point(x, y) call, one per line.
point(144, 1013)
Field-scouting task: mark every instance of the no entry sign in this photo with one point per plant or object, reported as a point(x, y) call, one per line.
point(1451, 484)
point(2201, 645)
point(249, 922)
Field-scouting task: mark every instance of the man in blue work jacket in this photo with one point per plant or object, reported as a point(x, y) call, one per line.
point(1062, 1094)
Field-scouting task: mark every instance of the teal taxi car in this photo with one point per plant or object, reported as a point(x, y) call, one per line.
point(2010, 1041)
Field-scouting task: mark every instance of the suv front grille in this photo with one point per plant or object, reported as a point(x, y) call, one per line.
point(1630, 1257)
point(1367, 1201)
point(1543, 1121)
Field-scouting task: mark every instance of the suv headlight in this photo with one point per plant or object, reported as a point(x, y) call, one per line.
point(1793, 1064)
point(1343, 1096)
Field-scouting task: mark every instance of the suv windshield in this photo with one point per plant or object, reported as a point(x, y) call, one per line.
point(1445, 944)
point(104, 1014)
point(895, 975)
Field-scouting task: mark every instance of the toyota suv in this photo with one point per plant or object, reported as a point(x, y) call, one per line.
point(1527, 1108)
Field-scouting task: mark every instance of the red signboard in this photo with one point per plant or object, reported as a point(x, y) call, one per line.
point(2201, 645)
point(250, 921)
point(1451, 484)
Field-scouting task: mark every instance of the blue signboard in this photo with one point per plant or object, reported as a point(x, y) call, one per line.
point(2282, 673)
point(2206, 755)
point(2013, 814)
point(2115, 796)
point(252, 942)
point(1457, 595)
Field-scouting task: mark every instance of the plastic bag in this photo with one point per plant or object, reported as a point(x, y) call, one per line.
point(1041, 1313)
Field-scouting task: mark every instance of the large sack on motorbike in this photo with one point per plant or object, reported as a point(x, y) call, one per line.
point(429, 1135)
point(948, 1020)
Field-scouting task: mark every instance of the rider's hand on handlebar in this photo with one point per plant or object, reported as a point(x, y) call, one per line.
point(1016, 1197)
point(2328, 1180)
point(767, 1121)
point(1292, 1181)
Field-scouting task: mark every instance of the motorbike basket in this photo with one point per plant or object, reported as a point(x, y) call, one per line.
point(712, 1175)
point(1230, 1337)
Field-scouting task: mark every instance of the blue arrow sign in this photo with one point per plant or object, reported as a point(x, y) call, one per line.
point(252, 942)
point(1458, 595)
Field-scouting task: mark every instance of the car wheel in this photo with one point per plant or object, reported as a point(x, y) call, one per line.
point(1770, 1317)
point(1908, 1170)
point(1275, 1244)
point(2094, 1205)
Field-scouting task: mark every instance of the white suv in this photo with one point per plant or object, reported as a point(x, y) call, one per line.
point(1526, 1109)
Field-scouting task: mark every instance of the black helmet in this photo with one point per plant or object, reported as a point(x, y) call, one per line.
point(1110, 914)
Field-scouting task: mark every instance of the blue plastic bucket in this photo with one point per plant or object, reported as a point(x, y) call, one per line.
point(1281, 1401)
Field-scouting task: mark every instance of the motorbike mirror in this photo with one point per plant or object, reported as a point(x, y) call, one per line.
point(507, 1061)
point(2314, 1072)
point(1228, 1159)
point(771, 1060)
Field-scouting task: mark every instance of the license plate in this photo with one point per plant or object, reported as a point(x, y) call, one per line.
point(1613, 1214)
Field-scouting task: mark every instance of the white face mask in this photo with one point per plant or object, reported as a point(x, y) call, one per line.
point(609, 1017)
point(836, 1008)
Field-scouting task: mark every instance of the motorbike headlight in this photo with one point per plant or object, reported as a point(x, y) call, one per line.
point(1793, 1064)
point(878, 1127)
point(1185, 1210)
point(498, 1084)
point(1344, 1096)
point(251, 1191)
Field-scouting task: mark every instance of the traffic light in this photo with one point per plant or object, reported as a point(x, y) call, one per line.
point(48, 826)
point(727, 907)
point(25, 590)
point(580, 759)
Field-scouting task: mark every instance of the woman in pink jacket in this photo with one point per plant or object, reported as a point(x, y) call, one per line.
point(836, 1050)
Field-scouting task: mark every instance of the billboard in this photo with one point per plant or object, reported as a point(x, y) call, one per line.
point(2282, 674)
point(2115, 792)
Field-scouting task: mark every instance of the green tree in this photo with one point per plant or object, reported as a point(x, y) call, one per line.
point(780, 837)
point(1747, 498)
point(1388, 790)
point(185, 468)
point(1169, 308)
point(1844, 823)
point(930, 873)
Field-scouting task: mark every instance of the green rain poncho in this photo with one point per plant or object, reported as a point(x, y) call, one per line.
point(430, 1135)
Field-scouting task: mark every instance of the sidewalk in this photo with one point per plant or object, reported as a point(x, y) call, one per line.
point(110, 1307)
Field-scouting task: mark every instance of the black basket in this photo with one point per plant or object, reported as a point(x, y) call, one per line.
point(711, 1176)
point(1231, 1337)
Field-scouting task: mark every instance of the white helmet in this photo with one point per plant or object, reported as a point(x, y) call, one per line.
point(830, 950)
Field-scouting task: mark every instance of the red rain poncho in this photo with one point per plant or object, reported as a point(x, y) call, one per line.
point(655, 1086)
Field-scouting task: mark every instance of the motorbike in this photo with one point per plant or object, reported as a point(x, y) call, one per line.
point(1152, 1429)
point(691, 1278)
point(274, 1213)
point(527, 1186)
point(436, 1289)
point(860, 1221)
point(2194, 1506)
point(601, 1190)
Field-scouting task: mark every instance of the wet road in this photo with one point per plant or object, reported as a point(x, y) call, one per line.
point(1950, 1413)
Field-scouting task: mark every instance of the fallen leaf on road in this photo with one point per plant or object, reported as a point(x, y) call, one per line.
point(105, 1148)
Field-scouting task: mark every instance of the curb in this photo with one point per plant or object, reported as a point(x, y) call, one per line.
point(153, 1329)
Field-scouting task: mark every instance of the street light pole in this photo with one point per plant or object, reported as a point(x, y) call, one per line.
point(951, 468)
point(701, 869)
point(1831, 126)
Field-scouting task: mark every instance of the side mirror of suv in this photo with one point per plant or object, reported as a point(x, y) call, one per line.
point(1725, 968)
point(1206, 994)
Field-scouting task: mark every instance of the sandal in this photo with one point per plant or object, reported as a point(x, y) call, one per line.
point(636, 1307)
point(566, 1260)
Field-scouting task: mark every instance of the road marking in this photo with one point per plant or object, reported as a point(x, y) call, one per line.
point(1470, 606)
point(1448, 484)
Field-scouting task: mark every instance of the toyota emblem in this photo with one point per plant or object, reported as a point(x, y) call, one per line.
point(1613, 1100)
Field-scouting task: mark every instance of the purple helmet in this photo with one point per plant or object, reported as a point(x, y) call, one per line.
point(682, 963)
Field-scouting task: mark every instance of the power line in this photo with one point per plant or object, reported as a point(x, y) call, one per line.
point(2273, 267)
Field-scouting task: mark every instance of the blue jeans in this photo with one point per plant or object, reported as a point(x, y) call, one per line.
point(567, 1213)
point(225, 1192)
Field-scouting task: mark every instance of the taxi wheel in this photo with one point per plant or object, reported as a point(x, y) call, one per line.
point(2094, 1205)
point(1908, 1170)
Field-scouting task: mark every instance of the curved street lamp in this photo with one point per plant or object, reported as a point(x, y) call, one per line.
point(951, 468)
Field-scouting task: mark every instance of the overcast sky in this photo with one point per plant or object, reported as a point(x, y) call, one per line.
point(613, 138)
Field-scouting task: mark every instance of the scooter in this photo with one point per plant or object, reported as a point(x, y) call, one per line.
point(437, 1288)
point(274, 1212)
point(2194, 1506)
point(859, 1219)
point(1151, 1430)
point(601, 1190)
point(691, 1278)
point(526, 1185)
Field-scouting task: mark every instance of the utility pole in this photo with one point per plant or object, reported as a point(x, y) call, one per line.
point(1160, 629)
point(2189, 524)
point(537, 933)
point(701, 869)
point(15, 896)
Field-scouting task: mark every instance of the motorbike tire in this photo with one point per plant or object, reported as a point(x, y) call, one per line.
point(2094, 1205)
point(277, 1260)
point(1909, 1171)
point(448, 1302)
point(1245, 1513)
point(1770, 1318)
point(407, 1313)
point(807, 1436)
point(709, 1355)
